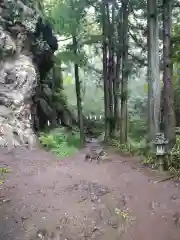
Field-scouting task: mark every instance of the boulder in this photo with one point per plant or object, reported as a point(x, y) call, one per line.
point(24, 61)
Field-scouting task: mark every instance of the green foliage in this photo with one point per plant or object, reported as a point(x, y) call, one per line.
point(174, 160)
point(132, 147)
point(61, 142)
point(91, 105)
point(60, 97)
point(70, 15)
point(176, 68)
point(93, 39)
point(176, 41)
point(137, 127)
point(138, 148)
point(123, 148)
point(137, 117)
point(3, 171)
point(68, 56)
point(174, 172)
point(149, 160)
point(69, 18)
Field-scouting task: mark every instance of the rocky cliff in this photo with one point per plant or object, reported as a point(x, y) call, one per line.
point(25, 58)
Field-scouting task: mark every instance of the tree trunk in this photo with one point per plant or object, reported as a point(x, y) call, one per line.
point(17, 85)
point(110, 72)
point(117, 74)
point(169, 116)
point(154, 92)
point(106, 93)
point(125, 73)
point(78, 95)
point(25, 62)
point(57, 76)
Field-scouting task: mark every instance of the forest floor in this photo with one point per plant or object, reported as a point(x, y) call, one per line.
point(77, 200)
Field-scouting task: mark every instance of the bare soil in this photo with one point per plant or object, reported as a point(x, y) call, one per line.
point(76, 200)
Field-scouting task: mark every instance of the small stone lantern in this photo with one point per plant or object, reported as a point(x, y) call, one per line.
point(161, 150)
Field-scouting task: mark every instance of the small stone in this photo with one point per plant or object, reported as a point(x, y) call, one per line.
point(176, 218)
point(26, 217)
point(113, 222)
point(173, 197)
point(6, 200)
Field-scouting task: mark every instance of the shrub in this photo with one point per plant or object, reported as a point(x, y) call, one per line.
point(132, 147)
point(139, 148)
point(60, 141)
point(3, 171)
point(174, 159)
point(137, 128)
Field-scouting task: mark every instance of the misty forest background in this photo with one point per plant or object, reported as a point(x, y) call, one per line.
point(120, 60)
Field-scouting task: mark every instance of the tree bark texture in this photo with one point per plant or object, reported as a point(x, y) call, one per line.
point(110, 75)
point(105, 77)
point(24, 63)
point(169, 115)
point(125, 73)
point(18, 77)
point(78, 95)
point(154, 91)
point(118, 68)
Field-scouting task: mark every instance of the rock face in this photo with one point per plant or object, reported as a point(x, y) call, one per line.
point(24, 58)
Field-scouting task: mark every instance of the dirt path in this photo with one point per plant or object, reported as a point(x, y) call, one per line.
point(77, 200)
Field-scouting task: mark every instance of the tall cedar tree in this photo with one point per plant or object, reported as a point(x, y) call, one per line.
point(125, 73)
point(110, 69)
point(105, 61)
point(78, 95)
point(153, 70)
point(118, 67)
point(169, 116)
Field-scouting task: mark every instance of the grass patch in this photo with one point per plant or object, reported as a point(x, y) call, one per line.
point(3, 171)
point(61, 142)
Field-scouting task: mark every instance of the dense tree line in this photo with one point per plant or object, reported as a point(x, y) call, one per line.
point(115, 31)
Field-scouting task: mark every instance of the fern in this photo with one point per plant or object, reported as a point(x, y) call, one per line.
point(60, 142)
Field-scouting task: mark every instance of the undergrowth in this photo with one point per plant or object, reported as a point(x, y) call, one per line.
point(132, 147)
point(60, 141)
point(149, 157)
point(3, 171)
point(174, 158)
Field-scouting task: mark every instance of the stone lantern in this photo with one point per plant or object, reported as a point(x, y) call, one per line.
point(161, 150)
